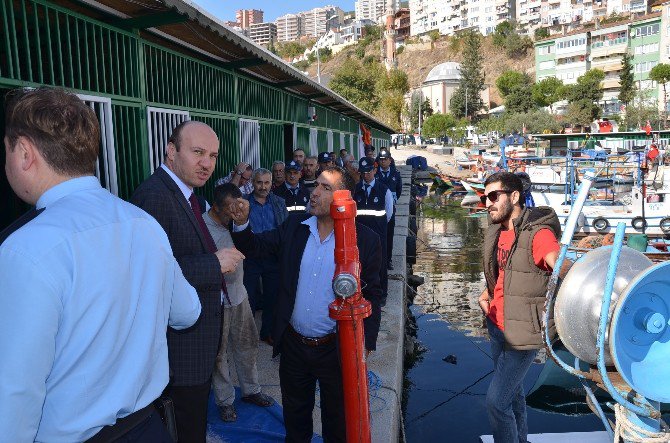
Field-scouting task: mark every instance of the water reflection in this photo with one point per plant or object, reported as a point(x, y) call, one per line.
point(449, 251)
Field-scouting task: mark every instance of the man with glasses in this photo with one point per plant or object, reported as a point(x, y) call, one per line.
point(240, 177)
point(520, 250)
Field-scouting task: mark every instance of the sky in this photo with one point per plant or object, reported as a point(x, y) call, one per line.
point(225, 9)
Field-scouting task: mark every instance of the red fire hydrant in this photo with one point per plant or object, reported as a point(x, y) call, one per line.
point(349, 309)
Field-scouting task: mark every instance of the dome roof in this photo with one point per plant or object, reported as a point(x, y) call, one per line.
point(448, 72)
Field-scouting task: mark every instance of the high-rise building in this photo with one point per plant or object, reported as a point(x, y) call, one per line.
point(290, 27)
point(450, 16)
point(319, 20)
point(247, 17)
point(374, 10)
point(263, 33)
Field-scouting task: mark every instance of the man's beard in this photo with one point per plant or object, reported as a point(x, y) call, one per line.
point(502, 214)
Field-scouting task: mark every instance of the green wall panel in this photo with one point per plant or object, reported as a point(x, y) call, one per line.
point(132, 152)
point(272, 144)
point(303, 138)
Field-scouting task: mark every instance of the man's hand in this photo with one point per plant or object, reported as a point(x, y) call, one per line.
point(241, 167)
point(229, 258)
point(484, 302)
point(239, 211)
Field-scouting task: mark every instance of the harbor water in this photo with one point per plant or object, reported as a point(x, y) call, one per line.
point(448, 374)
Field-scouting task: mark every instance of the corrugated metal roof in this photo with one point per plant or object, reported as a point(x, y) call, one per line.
point(195, 29)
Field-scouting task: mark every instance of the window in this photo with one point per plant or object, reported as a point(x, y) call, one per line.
point(645, 66)
point(547, 65)
point(646, 49)
point(544, 50)
point(250, 142)
point(160, 124)
point(105, 166)
point(647, 30)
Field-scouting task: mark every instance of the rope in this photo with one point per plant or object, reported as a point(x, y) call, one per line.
point(630, 432)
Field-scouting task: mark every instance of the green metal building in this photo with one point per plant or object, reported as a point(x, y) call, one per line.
point(146, 65)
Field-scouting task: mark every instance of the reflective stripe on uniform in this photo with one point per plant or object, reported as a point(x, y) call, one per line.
point(376, 213)
point(296, 208)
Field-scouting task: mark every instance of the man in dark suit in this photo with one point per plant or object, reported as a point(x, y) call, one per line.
point(303, 332)
point(168, 196)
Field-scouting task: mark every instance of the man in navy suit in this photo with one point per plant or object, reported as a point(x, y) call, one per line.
point(303, 332)
point(168, 196)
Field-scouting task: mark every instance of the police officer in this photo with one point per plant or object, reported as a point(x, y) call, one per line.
point(294, 193)
point(326, 160)
point(374, 203)
point(389, 175)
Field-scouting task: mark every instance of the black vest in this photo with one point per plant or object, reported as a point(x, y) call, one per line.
point(371, 210)
point(294, 203)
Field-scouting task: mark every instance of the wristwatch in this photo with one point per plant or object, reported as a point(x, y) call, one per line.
point(238, 172)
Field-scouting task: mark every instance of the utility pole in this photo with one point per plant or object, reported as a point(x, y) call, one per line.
point(318, 66)
point(466, 102)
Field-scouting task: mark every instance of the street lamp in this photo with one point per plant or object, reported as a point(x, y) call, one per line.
point(318, 59)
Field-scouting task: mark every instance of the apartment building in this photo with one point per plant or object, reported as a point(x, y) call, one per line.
point(290, 27)
point(263, 33)
point(353, 31)
point(401, 23)
point(569, 56)
point(374, 10)
point(318, 21)
point(450, 16)
point(248, 17)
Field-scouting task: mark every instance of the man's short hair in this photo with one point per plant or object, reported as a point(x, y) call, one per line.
point(175, 137)
point(343, 150)
point(346, 180)
point(260, 171)
point(508, 181)
point(299, 149)
point(312, 157)
point(65, 131)
point(278, 162)
point(222, 192)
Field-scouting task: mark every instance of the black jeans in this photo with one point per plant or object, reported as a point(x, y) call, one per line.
point(300, 366)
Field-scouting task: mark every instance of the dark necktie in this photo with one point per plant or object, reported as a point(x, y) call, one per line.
point(386, 174)
point(295, 192)
point(211, 246)
point(18, 223)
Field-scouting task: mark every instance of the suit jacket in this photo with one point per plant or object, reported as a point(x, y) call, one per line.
point(288, 243)
point(191, 351)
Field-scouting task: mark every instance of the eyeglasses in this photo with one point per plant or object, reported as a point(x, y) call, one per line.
point(493, 195)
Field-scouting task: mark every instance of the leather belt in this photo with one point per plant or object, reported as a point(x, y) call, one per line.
point(312, 341)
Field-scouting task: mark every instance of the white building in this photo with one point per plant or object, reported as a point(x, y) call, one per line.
point(450, 16)
point(263, 33)
point(289, 27)
point(374, 10)
point(352, 32)
point(319, 20)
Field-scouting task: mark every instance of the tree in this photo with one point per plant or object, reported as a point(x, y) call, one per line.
point(510, 79)
point(466, 100)
point(356, 84)
point(541, 33)
point(501, 32)
point(661, 74)
point(289, 50)
point(415, 104)
point(391, 88)
point(516, 45)
point(520, 99)
point(547, 91)
point(440, 125)
point(535, 122)
point(584, 96)
point(434, 35)
point(626, 81)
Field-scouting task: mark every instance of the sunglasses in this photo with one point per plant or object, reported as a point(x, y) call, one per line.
point(493, 196)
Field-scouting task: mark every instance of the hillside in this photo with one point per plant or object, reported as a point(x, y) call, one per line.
point(418, 59)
